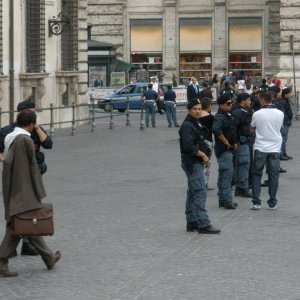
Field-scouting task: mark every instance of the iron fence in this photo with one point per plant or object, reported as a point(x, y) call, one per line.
point(90, 119)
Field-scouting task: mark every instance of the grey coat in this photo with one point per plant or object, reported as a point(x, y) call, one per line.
point(23, 187)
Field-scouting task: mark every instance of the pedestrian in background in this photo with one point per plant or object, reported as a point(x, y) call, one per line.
point(206, 119)
point(23, 190)
point(170, 106)
point(286, 95)
point(150, 97)
point(155, 88)
point(193, 156)
point(193, 90)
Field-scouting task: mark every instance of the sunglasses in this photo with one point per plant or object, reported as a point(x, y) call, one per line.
point(228, 103)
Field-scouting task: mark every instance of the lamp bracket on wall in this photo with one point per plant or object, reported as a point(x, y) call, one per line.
point(57, 25)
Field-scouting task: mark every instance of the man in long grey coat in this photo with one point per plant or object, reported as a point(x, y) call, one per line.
point(23, 190)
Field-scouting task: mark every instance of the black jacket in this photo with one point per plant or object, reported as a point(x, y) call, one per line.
point(223, 124)
point(192, 139)
point(206, 93)
point(288, 113)
point(47, 144)
point(191, 92)
point(242, 122)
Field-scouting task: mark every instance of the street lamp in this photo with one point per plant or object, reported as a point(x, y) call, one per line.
point(57, 25)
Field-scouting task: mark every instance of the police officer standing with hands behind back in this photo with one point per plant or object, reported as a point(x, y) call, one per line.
point(194, 154)
point(223, 130)
point(242, 116)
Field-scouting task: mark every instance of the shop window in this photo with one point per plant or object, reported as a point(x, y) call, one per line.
point(195, 49)
point(146, 48)
point(35, 36)
point(245, 47)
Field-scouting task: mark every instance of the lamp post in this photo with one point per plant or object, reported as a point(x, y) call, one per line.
point(293, 57)
point(11, 62)
point(296, 95)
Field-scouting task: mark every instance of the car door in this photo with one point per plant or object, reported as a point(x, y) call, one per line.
point(122, 95)
point(136, 102)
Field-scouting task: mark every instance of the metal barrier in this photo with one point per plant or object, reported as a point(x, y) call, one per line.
point(91, 115)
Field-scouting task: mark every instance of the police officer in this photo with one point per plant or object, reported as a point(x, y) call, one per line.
point(193, 157)
point(223, 130)
point(242, 119)
point(170, 105)
point(40, 139)
point(150, 97)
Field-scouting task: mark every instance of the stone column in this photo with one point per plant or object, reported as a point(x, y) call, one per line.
point(170, 49)
point(272, 37)
point(290, 25)
point(220, 52)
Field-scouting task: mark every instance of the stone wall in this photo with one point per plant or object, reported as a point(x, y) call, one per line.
point(107, 20)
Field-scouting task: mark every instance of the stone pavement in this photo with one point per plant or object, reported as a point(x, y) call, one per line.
point(119, 199)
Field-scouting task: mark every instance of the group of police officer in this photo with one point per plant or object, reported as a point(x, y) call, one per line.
point(233, 149)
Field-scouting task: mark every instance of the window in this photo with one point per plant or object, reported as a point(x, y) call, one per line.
point(35, 36)
point(1, 40)
point(146, 46)
point(195, 49)
point(69, 37)
point(245, 47)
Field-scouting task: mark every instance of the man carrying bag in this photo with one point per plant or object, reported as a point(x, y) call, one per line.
point(23, 190)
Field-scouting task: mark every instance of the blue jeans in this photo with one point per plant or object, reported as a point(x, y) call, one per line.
point(285, 133)
point(150, 109)
point(196, 196)
point(260, 159)
point(242, 164)
point(225, 177)
point(170, 107)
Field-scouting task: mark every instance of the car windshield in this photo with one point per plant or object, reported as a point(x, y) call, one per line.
point(127, 90)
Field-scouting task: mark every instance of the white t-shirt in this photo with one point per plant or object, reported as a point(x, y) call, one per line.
point(11, 137)
point(241, 85)
point(155, 87)
point(267, 122)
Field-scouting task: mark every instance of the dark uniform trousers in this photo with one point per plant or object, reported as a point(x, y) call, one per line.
point(10, 243)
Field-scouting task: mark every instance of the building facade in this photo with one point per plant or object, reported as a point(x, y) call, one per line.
point(184, 38)
point(40, 62)
point(290, 27)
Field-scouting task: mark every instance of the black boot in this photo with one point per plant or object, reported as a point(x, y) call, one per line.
point(191, 226)
point(245, 194)
point(237, 191)
point(28, 249)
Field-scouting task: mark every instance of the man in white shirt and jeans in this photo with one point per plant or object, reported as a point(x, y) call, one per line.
point(267, 123)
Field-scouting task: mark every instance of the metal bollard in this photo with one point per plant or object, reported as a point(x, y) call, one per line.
point(142, 123)
point(111, 123)
point(73, 119)
point(93, 115)
point(128, 124)
point(0, 117)
point(51, 121)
